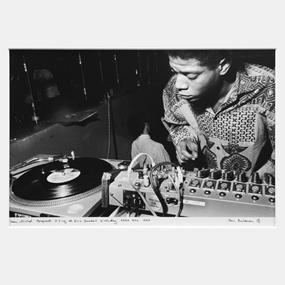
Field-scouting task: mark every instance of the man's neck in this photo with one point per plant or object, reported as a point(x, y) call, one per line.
point(225, 89)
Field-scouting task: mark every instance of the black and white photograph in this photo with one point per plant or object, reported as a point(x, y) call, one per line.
point(142, 142)
point(143, 134)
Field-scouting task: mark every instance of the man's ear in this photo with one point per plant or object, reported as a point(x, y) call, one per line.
point(224, 66)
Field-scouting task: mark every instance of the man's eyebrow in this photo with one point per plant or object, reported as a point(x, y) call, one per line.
point(185, 72)
point(190, 72)
point(173, 69)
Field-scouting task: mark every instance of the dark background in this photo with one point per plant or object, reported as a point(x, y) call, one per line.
point(124, 71)
point(137, 78)
point(136, 69)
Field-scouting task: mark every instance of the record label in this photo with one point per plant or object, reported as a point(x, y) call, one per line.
point(63, 176)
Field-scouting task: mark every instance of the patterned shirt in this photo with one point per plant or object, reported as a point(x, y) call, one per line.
point(232, 138)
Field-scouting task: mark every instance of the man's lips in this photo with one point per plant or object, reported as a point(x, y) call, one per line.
point(188, 97)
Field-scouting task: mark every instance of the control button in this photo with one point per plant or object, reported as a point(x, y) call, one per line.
point(271, 200)
point(137, 185)
point(207, 192)
point(238, 196)
point(254, 198)
point(192, 190)
point(222, 194)
point(171, 200)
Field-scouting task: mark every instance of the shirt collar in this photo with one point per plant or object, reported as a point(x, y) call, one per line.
point(144, 136)
point(245, 88)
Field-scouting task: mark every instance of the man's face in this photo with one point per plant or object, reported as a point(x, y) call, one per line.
point(194, 81)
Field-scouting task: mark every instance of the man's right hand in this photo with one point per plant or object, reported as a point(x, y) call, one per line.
point(187, 149)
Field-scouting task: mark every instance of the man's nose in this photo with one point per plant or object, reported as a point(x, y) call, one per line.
point(181, 82)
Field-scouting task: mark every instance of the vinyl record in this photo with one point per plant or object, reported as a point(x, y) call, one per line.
point(59, 179)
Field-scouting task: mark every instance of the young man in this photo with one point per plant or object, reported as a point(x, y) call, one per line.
point(225, 113)
point(140, 131)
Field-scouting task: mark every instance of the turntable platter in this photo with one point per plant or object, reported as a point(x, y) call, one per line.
point(59, 179)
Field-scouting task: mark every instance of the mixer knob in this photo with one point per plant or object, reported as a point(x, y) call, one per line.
point(216, 174)
point(203, 173)
point(269, 179)
point(254, 178)
point(230, 175)
point(241, 177)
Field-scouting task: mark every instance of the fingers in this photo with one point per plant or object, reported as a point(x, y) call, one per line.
point(193, 147)
point(186, 150)
point(179, 158)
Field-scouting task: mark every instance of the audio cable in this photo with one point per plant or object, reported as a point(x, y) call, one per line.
point(137, 186)
point(178, 185)
point(155, 183)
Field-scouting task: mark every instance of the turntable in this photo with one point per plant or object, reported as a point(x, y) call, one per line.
point(61, 187)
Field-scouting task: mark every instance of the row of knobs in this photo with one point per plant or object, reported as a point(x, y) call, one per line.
point(231, 175)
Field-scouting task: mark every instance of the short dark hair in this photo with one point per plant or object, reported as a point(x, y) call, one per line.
point(209, 58)
point(136, 124)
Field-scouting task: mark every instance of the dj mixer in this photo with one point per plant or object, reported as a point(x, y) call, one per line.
point(200, 193)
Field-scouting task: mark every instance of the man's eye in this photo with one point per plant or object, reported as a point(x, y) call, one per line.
point(172, 71)
point(192, 77)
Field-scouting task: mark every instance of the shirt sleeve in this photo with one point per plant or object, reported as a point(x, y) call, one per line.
point(134, 150)
point(173, 120)
point(267, 110)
